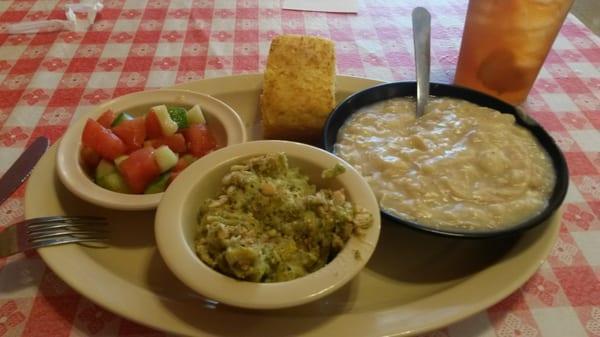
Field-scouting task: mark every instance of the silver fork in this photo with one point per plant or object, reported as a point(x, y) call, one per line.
point(49, 231)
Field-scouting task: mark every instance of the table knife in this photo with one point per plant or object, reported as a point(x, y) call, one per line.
point(20, 170)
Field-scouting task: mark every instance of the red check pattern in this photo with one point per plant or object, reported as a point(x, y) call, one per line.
point(48, 80)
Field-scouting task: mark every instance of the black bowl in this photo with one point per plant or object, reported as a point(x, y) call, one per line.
point(401, 89)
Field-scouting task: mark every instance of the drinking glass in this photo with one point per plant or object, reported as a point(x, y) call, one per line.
point(505, 43)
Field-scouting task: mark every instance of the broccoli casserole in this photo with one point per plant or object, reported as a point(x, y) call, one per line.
point(270, 224)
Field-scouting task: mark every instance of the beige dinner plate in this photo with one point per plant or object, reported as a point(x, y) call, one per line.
point(414, 282)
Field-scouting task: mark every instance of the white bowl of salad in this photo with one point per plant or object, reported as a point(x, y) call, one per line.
point(126, 152)
point(267, 224)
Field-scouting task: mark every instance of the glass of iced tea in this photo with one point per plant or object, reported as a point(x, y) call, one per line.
point(505, 42)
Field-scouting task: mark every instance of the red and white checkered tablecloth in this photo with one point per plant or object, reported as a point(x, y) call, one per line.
point(48, 80)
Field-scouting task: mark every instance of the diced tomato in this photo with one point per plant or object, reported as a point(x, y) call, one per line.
point(153, 128)
point(181, 165)
point(102, 140)
point(173, 175)
point(89, 157)
point(106, 118)
point(139, 169)
point(175, 142)
point(199, 140)
point(132, 133)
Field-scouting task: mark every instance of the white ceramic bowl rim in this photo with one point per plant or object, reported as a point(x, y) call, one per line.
point(75, 179)
point(182, 260)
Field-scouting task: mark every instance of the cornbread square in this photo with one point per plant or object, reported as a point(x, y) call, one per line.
point(298, 88)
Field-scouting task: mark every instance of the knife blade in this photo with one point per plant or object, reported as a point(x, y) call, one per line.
point(21, 168)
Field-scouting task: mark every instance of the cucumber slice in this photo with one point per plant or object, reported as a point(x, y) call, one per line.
point(195, 115)
point(167, 125)
point(165, 158)
point(120, 159)
point(123, 116)
point(159, 185)
point(114, 182)
point(104, 168)
point(179, 116)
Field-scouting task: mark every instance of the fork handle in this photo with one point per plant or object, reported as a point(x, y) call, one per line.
point(8, 241)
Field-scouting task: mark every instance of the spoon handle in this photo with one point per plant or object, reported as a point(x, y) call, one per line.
point(421, 22)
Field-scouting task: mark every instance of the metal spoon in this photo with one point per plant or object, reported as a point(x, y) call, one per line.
point(421, 23)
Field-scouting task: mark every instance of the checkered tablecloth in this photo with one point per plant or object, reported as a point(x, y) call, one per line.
point(48, 80)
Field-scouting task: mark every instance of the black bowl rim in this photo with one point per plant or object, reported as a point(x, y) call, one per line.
point(405, 89)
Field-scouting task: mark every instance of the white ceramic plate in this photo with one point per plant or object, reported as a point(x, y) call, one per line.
point(413, 283)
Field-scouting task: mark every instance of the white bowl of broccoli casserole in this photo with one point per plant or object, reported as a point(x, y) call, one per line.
point(267, 224)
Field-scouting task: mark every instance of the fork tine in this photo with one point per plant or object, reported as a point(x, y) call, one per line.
point(69, 226)
point(66, 217)
point(98, 243)
point(45, 221)
point(61, 228)
point(90, 231)
point(78, 234)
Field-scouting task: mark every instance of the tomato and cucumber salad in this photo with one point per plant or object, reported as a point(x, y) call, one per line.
point(143, 154)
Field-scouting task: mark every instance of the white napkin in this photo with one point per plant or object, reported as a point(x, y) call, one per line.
point(71, 23)
point(335, 6)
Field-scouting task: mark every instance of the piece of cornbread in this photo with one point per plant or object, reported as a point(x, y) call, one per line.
point(299, 87)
